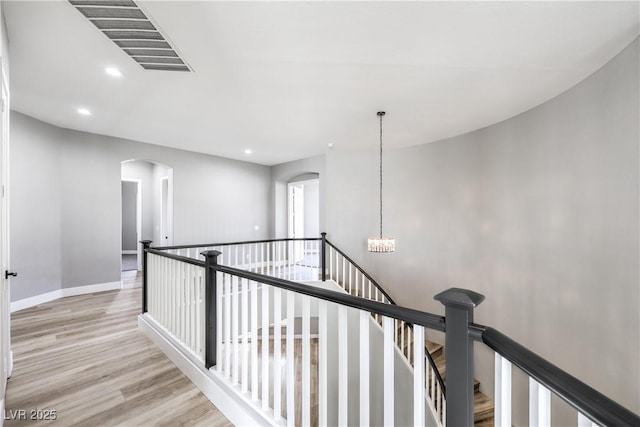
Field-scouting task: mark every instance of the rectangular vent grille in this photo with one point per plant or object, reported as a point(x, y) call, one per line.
point(129, 28)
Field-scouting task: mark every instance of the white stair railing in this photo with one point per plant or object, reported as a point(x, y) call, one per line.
point(307, 355)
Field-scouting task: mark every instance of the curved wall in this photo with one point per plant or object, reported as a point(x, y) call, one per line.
point(539, 213)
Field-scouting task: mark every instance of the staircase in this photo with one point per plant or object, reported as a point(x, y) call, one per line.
point(483, 405)
point(483, 410)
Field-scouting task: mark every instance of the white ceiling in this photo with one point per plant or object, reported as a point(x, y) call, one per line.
point(287, 78)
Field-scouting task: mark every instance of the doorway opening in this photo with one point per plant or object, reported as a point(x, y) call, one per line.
point(147, 212)
point(131, 222)
point(304, 215)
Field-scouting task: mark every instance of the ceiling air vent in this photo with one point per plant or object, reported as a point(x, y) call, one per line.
point(132, 31)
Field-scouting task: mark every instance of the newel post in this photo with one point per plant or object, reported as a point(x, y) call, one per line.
point(323, 256)
point(459, 305)
point(210, 292)
point(145, 245)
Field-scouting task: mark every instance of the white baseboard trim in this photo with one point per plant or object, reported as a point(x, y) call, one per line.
point(90, 289)
point(130, 252)
point(64, 292)
point(225, 397)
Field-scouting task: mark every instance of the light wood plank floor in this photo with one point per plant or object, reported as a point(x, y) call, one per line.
point(84, 358)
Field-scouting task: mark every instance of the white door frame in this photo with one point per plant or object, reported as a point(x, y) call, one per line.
point(166, 224)
point(138, 183)
point(6, 355)
point(293, 217)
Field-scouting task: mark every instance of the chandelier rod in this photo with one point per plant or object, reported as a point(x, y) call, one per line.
point(380, 114)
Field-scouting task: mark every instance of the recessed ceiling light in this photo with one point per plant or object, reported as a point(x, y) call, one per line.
point(113, 71)
point(84, 111)
point(248, 151)
point(330, 145)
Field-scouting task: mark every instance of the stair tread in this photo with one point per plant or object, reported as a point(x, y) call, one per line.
point(432, 347)
point(483, 407)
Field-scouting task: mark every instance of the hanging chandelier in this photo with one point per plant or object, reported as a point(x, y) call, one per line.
point(381, 244)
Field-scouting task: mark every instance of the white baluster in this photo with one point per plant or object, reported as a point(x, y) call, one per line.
point(254, 341)
point(432, 389)
point(265, 347)
point(439, 400)
point(330, 256)
point(170, 298)
point(199, 317)
point(502, 391)
point(219, 305)
point(235, 317)
point(306, 360)
point(195, 319)
point(389, 371)
point(276, 253)
point(357, 275)
point(180, 285)
point(343, 367)
point(539, 404)
point(277, 350)
point(227, 325)
point(364, 368)
point(405, 351)
point(418, 378)
point(184, 322)
point(290, 371)
point(584, 421)
point(322, 362)
point(245, 332)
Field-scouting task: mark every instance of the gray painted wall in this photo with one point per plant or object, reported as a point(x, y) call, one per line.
point(35, 209)
point(215, 199)
point(129, 216)
point(539, 213)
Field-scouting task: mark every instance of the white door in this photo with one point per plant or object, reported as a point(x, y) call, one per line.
point(165, 217)
point(296, 220)
point(5, 338)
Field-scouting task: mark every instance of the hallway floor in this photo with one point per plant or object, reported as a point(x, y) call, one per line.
point(83, 359)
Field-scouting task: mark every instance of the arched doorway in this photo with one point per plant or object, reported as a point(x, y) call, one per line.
point(147, 208)
point(303, 201)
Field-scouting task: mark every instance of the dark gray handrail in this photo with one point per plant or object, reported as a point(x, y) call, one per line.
point(188, 260)
point(593, 404)
point(364, 273)
point(428, 320)
point(246, 242)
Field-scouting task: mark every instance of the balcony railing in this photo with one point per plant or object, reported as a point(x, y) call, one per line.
point(314, 354)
